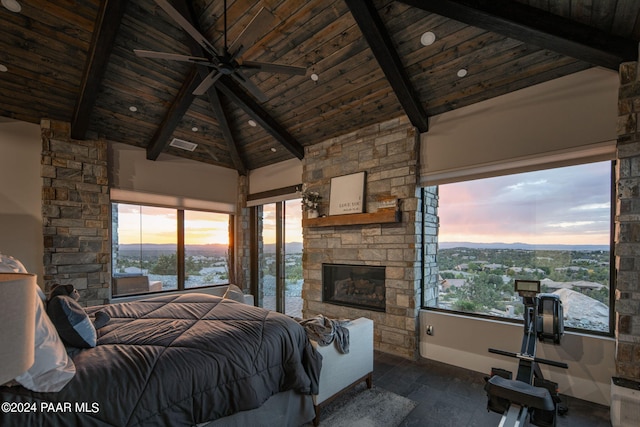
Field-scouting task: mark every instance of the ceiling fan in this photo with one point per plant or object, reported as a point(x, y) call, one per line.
point(229, 62)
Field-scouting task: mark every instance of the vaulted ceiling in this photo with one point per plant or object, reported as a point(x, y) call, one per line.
point(74, 61)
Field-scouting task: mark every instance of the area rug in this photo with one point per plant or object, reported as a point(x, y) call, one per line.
point(364, 407)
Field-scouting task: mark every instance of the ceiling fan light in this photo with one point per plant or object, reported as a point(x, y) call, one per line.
point(12, 5)
point(462, 72)
point(273, 149)
point(133, 108)
point(3, 68)
point(314, 77)
point(252, 123)
point(427, 38)
point(194, 129)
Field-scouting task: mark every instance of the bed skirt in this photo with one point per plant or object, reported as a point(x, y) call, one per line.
point(286, 409)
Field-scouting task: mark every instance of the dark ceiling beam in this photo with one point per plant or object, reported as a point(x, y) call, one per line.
point(174, 114)
point(233, 91)
point(538, 27)
point(102, 43)
point(218, 110)
point(214, 100)
point(375, 33)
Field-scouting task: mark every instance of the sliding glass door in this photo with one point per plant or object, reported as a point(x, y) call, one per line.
point(279, 250)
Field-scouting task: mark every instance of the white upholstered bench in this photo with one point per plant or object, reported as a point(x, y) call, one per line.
point(343, 371)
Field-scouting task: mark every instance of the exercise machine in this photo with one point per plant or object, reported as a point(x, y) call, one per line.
point(529, 394)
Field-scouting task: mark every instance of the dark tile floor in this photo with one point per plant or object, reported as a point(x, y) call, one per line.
point(452, 396)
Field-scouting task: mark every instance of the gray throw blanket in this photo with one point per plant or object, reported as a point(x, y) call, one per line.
point(325, 331)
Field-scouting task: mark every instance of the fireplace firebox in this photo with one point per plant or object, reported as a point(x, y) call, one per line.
point(359, 286)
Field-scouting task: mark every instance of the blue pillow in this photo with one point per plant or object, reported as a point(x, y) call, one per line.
point(72, 322)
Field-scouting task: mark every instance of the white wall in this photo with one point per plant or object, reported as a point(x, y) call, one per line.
point(20, 189)
point(187, 183)
point(464, 341)
point(279, 175)
point(273, 177)
point(575, 115)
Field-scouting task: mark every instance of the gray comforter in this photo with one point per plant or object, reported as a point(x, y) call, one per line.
point(178, 360)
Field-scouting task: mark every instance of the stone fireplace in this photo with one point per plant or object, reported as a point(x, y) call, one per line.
point(388, 153)
point(358, 286)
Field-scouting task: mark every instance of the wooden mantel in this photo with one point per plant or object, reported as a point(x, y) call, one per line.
point(381, 216)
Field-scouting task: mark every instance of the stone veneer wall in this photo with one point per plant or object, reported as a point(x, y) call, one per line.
point(388, 152)
point(627, 233)
point(75, 213)
point(242, 239)
point(430, 246)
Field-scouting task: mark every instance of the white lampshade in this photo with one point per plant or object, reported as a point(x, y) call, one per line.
point(17, 323)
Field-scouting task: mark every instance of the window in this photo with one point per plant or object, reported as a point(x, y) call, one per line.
point(163, 249)
point(280, 256)
point(550, 225)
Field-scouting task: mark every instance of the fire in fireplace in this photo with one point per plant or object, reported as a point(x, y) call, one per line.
point(360, 286)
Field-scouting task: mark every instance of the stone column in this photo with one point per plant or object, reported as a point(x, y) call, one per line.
point(430, 245)
point(242, 239)
point(75, 213)
point(627, 231)
point(388, 152)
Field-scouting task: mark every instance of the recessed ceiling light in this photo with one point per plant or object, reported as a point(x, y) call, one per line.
point(315, 77)
point(462, 72)
point(3, 68)
point(427, 38)
point(12, 5)
point(252, 123)
point(133, 108)
point(273, 150)
point(195, 129)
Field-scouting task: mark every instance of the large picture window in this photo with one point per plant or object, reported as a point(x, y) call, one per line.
point(163, 249)
point(550, 225)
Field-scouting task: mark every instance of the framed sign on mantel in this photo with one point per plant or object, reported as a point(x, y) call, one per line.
point(347, 194)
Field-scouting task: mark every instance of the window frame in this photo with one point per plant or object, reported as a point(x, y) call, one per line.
point(612, 269)
point(180, 248)
point(279, 198)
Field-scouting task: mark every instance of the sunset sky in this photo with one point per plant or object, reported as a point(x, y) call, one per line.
point(201, 228)
point(559, 206)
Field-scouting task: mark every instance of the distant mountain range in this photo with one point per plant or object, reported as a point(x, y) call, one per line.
point(296, 247)
point(522, 246)
point(211, 250)
point(160, 248)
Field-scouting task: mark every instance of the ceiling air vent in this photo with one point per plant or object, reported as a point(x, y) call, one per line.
point(182, 144)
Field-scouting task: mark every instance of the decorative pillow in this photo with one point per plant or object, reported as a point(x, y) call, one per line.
point(72, 322)
point(235, 293)
point(52, 368)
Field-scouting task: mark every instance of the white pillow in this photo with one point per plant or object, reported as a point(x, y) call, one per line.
point(234, 293)
point(9, 264)
point(52, 368)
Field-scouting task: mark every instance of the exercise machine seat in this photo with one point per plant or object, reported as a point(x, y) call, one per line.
point(520, 393)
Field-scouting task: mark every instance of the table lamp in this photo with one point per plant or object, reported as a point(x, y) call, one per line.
point(17, 324)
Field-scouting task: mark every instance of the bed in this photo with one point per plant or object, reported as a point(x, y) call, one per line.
point(181, 360)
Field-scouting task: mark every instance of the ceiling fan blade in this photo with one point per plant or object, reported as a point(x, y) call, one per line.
point(207, 82)
point(257, 27)
point(169, 56)
point(250, 86)
point(186, 25)
point(273, 68)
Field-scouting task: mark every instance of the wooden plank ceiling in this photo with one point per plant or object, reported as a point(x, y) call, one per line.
point(74, 61)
